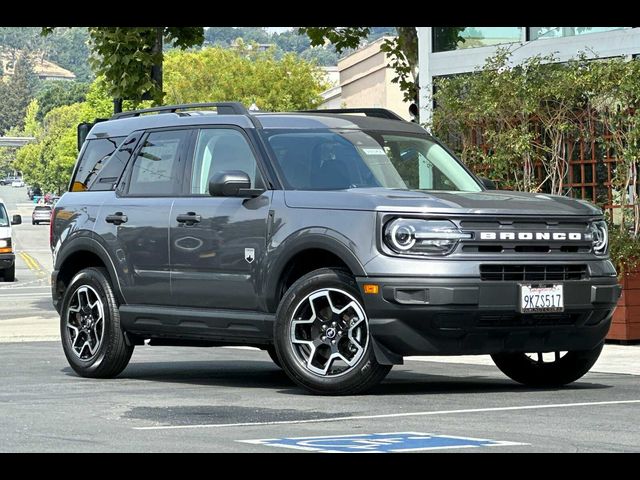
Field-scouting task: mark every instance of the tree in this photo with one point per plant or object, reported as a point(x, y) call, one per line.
point(130, 58)
point(54, 94)
point(16, 94)
point(244, 75)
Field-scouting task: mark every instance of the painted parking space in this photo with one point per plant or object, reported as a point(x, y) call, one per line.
point(380, 443)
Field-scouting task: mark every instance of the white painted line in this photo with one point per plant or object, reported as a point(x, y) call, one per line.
point(35, 295)
point(392, 415)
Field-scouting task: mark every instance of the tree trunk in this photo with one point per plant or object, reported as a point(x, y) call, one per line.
point(156, 70)
point(117, 105)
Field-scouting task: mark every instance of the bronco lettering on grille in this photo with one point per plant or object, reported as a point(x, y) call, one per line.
point(531, 236)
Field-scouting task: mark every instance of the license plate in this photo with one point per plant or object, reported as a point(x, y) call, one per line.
point(541, 298)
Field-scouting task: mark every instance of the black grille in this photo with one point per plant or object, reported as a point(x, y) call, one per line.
point(532, 272)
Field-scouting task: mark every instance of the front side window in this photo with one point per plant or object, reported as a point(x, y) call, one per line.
point(328, 160)
point(158, 167)
point(219, 150)
point(4, 218)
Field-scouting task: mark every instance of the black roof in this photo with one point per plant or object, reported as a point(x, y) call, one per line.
point(119, 127)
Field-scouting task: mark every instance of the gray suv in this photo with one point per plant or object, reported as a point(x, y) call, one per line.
point(338, 241)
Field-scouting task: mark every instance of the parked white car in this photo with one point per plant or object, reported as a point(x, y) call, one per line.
point(7, 256)
point(17, 183)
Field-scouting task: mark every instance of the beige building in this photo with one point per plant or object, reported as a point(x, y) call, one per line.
point(365, 81)
point(44, 69)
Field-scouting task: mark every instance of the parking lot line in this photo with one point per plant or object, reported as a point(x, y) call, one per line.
point(393, 415)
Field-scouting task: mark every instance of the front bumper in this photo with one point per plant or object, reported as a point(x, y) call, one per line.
point(7, 260)
point(461, 316)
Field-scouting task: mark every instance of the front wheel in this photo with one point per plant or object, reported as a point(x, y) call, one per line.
point(552, 369)
point(92, 338)
point(322, 335)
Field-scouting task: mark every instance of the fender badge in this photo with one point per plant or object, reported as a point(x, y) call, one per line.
point(249, 254)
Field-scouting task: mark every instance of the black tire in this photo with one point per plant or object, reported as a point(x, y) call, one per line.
point(9, 274)
point(365, 373)
point(33, 222)
point(112, 354)
point(271, 350)
point(568, 368)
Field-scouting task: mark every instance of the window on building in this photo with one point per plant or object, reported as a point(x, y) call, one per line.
point(456, 38)
point(536, 33)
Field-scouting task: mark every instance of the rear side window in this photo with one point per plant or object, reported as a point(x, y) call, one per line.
point(158, 168)
point(93, 158)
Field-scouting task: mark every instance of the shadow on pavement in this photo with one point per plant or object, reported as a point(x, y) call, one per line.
point(264, 374)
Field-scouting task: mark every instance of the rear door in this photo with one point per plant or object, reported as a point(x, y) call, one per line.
point(139, 214)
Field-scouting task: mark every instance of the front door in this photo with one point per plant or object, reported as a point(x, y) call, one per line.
point(217, 244)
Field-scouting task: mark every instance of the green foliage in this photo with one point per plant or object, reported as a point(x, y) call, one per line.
point(54, 93)
point(130, 58)
point(342, 38)
point(16, 94)
point(217, 74)
point(624, 249)
point(125, 57)
point(49, 161)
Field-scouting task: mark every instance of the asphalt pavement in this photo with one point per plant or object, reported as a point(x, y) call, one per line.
point(237, 400)
point(29, 297)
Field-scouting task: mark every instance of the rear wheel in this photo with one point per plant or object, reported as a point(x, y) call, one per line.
point(92, 338)
point(9, 274)
point(33, 222)
point(322, 335)
point(552, 369)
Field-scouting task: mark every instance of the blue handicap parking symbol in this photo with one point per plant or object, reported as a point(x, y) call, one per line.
point(379, 442)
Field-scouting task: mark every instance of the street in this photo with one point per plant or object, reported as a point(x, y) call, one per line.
point(25, 305)
point(237, 400)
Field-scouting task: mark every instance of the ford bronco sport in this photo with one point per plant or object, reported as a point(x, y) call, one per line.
point(338, 241)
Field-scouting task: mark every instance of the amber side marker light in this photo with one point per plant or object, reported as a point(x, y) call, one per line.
point(371, 288)
point(6, 250)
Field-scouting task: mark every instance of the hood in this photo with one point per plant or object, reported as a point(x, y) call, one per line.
point(490, 202)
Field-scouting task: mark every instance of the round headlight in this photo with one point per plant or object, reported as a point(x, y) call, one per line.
point(401, 235)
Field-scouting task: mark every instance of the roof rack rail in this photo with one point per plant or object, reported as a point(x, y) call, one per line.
point(226, 108)
point(369, 112)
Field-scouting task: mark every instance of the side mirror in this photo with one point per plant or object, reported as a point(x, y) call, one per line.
point(16, 220)
point(488, 184)
point(232, 183)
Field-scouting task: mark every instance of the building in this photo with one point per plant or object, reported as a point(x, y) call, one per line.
point(365, 81)
point(442, 52)
point(44, 69)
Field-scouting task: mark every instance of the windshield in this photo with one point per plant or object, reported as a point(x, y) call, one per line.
point(4, 218)
point(331, 160)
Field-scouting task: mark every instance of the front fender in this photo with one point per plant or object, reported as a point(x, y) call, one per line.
point(306, 239)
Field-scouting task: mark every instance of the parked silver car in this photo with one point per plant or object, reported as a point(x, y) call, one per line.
point(42, 213)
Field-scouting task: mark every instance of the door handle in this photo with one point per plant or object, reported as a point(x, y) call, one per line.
point(189, 218)
point(117, 218)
